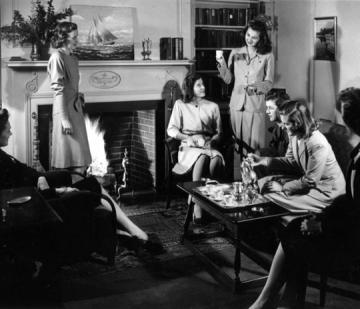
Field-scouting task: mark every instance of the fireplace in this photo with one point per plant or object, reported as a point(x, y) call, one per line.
point(142, 98)
point(136, 126)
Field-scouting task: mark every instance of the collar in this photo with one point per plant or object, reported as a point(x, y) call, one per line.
point(355, 151)
point(243, 50)
point(195, 103)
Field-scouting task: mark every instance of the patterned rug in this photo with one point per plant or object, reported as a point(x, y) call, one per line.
point(168, 225)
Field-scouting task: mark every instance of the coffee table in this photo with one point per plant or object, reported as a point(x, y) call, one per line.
point(232, 220)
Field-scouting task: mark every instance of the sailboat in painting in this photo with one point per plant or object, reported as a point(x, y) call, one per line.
point(105, 33)
point(99, 34)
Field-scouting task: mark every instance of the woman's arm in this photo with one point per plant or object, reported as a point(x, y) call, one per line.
point(225, 72)
point(175, 123)
point(265, 85)
point(286, 164)
point(216, 138)
point(317, 155)
point(56, 71)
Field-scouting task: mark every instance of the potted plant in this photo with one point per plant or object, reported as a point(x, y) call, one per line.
point(37, 29)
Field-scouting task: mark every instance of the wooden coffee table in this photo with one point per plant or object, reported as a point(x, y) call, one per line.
point(232, 219)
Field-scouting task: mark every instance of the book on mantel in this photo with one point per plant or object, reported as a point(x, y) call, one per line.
point(171, 48)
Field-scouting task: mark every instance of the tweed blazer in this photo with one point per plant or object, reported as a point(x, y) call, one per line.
point(313, 160)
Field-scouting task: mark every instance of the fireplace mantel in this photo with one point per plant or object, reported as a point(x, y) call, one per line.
point(103, 63)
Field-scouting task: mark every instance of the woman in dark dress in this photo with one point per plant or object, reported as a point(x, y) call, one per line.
point(320, 240)
point(70, 202)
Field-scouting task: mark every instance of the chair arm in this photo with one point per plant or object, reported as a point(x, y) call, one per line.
point(242, 145)
point(172, 148)
point(106, 198)
point(58, 178)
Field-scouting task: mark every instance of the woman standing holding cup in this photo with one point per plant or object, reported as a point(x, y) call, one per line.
point(252, 68)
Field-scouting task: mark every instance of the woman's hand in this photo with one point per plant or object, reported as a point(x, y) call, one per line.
point(190, 141)
point(251, 90)
point(66, 126)
point(311, 226)
point(42, 183)
point(272, 186)
point(256, 159)
point(63, 190)
point(195, 141)
point(213, 144)
point(220, 57)
point(199, 140)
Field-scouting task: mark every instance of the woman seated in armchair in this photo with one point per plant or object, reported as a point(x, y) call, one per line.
point(196, 122)
point(71, 203)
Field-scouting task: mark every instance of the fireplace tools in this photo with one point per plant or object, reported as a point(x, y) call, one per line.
point(125, 178)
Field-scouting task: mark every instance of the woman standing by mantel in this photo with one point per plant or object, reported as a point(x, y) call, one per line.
point(70, 146)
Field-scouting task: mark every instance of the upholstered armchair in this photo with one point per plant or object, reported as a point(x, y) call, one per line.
point(85, 229)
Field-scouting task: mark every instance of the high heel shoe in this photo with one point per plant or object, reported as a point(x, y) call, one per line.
point(152, 245)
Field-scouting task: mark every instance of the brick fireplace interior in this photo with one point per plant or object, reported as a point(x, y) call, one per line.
point(137, 126)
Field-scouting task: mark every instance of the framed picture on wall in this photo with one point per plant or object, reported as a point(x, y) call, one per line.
point(325, 38)
point(105, 33)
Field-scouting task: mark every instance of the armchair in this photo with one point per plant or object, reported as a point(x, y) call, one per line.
point(172, 149)
point(85, 229)
point(345, 262)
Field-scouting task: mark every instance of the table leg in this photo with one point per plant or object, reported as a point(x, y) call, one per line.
point(237, 261)
point(188, 218)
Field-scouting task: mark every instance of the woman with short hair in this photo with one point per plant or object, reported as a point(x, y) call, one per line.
point(70, 146)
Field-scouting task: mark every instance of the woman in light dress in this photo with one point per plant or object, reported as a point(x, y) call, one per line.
point(251, 67)
point(196, 122)
point(70, 146)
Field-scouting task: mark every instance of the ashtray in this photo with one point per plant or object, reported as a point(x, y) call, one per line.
point(19, 200)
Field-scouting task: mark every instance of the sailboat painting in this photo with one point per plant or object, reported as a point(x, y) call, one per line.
point(105, 33)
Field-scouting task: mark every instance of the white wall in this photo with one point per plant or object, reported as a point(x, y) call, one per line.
point(317, 81)
point(293, 46)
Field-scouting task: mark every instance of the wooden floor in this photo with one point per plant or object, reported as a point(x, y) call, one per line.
point(199, 291)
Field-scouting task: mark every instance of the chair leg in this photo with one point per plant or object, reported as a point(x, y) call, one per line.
point(323, 284)
point(302, 284)
point(169, 192)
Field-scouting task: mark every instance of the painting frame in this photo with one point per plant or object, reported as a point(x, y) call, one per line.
point(104, 32)
point(325, 38)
